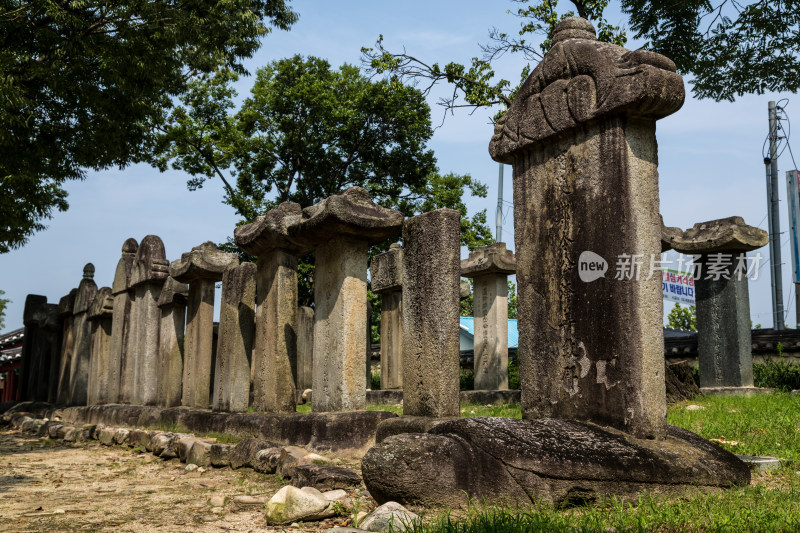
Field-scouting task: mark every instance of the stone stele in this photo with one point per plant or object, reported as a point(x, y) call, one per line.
point(201, 268)
point(274, 365)
point(65, 306)
point(82, 339)
point(172, 302)
point(580, 134)
point(149, 271)
point(489, 267)
point(340, 229)
point(31, 369)
point(386, 272)
point(120, 320)
point(237, 326)
point(100, 318)
point(431, 289)
point(724, 348)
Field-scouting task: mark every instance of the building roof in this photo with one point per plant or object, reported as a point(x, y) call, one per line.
point(12, 338)
point(467, 324)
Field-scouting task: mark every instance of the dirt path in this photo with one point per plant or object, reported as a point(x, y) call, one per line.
point(56, 486)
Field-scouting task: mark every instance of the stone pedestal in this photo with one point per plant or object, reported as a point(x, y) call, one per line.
point(489, 267)
point(274, 367)
point(305, 347)
point(201, 269)
point(386, 272)
point(120, 323)
point(236, 334)
point(149, 271)
point(431, 290)
point(584, 152)
point(340, 229)
point(65, 306)
point(172, 303)
point(100, 319)
point(722, 298)
point(82, 339)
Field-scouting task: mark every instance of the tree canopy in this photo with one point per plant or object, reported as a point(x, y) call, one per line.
point(726, 48)
point(83, 83)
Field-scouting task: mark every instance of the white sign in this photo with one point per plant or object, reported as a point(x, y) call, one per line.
point(677, 286)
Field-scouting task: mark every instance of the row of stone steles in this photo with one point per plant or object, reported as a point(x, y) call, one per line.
point(149, 338)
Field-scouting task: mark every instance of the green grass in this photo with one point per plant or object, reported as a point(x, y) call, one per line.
point(762, 425)
point(506, 410)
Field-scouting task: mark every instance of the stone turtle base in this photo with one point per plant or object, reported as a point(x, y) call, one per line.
point(510, 461)
point(350, 433)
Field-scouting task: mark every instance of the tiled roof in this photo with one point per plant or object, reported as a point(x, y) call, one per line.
point(12, 337)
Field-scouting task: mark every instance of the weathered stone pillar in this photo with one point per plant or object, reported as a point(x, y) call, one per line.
point(305, 347)
point(581, 137)
point(274, 369)
point(120, 324)
point(386, 272)
point(31, 368)
point(82, 339)
point(431, 290)
point(51, 329)
point(201, 269)
point(724, 349)
point(100, 321)
point(149, 271)
point(237, 324)
point(65, 306)
point(172, 303)
point(341, 228)
point(489, 267)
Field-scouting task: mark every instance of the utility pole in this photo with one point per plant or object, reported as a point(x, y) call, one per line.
point(773, 214)
point(498, 235)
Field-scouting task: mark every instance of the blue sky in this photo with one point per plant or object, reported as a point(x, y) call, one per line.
point(710, 161)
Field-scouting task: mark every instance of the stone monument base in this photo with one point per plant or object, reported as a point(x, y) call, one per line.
point(735, 391)
point(347, 433)
point(510, 461)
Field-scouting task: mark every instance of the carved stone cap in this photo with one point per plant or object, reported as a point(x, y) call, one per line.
point(50, 318)
point(67, 303)
point(464, 290)
point(668, 235)
point(270, 231)
point(581, 80)
point(150, 264)
point(87, 289)
point(122, 276)
point(173, 293)
point(203, 262)
point(103, 304)
point(492, 259)
point(347, 214)
point(33, 310)
point(724, 235)
point(386, 270)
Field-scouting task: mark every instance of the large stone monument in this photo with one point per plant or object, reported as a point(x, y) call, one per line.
point(82, 339)
point(275, 353)
point(31, 363)
point(172, 303)
point(340, 229)
point(386, 272)
point(580, 134)
point(100, 319)
point(305, 347)
point(120, 320)
point(431, 290)
point(237, 324)
point(149, 271)
point(724, 348)
point(201, 269)
point(489, 267)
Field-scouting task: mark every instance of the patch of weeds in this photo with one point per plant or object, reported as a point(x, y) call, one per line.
point(170, 427)
point(319, 462)
point(221, 438)
point(340, 509)
point(279, 479)
point(466, 379)
point(304, 408)
point(508, 410)
point(375, 380)
point(392, 408)
point(777, 374)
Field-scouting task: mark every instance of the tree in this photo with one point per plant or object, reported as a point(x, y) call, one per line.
point(684, 318)
point(3, 304)
point(84, 82)
point(731, 48)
